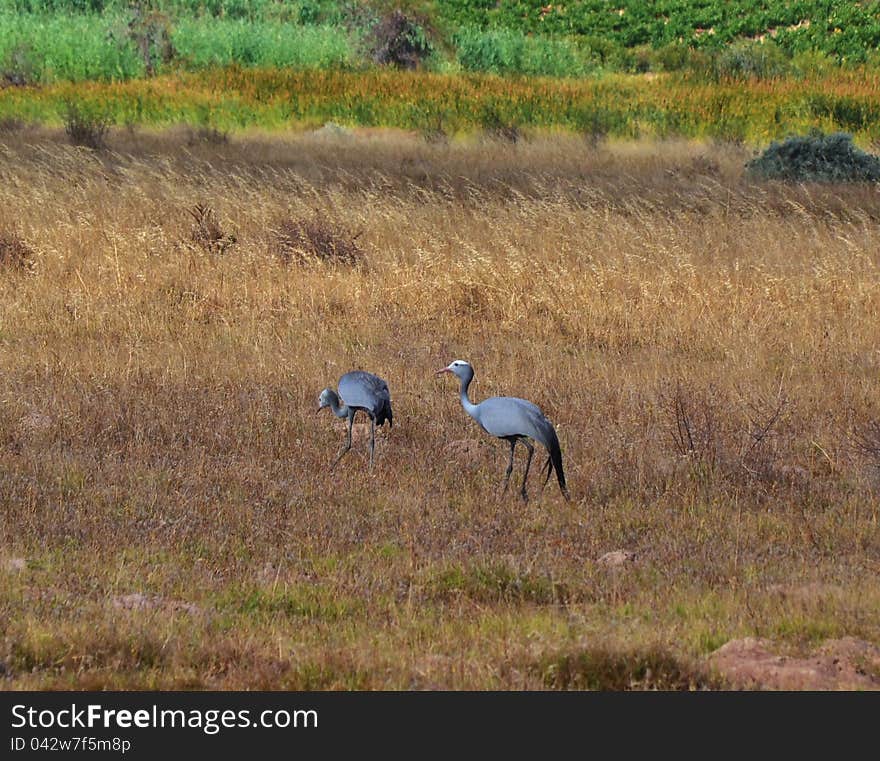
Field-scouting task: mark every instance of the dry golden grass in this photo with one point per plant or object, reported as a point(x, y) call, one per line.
point(707, 347)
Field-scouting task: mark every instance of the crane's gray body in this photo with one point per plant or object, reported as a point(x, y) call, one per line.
point(365, 391)
point(514, 420)
point(360, 391)
point(504, 416)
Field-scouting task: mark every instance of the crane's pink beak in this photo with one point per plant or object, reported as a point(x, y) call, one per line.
point(444, 370)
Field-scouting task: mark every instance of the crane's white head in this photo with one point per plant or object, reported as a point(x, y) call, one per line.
point(327, 398)
point(460, 368)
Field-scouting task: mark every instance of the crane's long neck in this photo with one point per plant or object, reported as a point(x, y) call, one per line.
point(470, 408)
point(340, 410)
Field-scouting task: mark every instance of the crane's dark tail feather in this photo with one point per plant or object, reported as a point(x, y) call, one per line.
point(555, 463)
point(385, 414)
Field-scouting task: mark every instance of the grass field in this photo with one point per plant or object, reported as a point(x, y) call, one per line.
point(705, 345)
point(628, 106)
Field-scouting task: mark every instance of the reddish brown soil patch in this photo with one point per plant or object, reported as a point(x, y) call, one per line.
point(841, 664)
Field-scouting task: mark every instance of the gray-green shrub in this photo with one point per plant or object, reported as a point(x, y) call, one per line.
point(816, 158)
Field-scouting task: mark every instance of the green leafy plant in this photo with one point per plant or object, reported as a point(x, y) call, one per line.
point(750, 59)
point(816, 158)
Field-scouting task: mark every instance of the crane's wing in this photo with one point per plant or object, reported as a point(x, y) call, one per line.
point(367, 391)
point(509, 416)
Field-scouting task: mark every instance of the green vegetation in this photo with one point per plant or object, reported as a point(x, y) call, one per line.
point(507, 51)
point(495, 582)
point(817, 158)
point(42, 49)
point(843, 29)
point(50, 40)
point(38, 49)
point(440, 106)
point(204, 43)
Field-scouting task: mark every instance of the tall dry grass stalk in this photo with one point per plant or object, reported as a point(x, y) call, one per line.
point(707, 347)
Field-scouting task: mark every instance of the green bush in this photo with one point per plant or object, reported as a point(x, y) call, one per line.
point(67, 47)
point(673, 57)
point(812, 63)
point(816, 158)
point(206, 42)
point(505, 51)
point(750, 59)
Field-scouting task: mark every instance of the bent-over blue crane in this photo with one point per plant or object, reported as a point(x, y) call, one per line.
point(359, 391)
point(514, 420)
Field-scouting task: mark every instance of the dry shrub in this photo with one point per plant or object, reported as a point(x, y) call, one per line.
point(209, 135)
point(434, 132)
point(206, 231)
point(733, 441)
point(694, 427)
point(151, 31)
point(760, 442)
point(85, 127)
point(317, 237)
point(18, 69)
point(498, 127)
point(397, 40)
point(866, 441)
point(15, 253)
point(9, 124)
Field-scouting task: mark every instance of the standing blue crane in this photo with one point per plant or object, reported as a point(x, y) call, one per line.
point(514, 420)
point(360, 391)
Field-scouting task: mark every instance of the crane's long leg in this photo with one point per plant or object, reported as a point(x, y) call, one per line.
point(527, 445)
point(347, 443)
point(509, 468)
point(372, 439)
point(549, 470)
